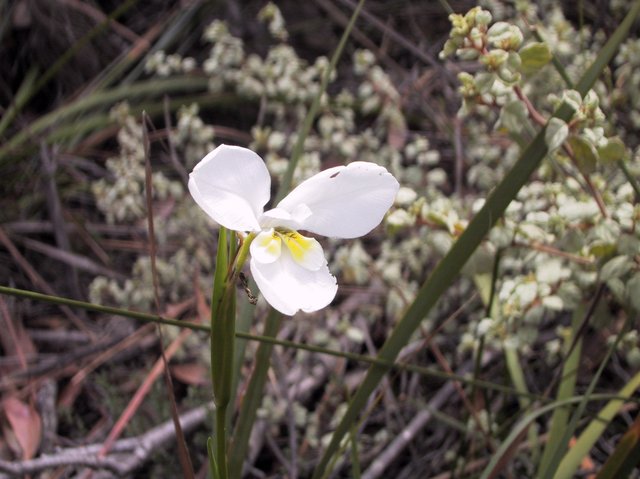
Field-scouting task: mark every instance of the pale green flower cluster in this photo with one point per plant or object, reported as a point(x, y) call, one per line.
point(165, 65)
point(120, 195)
point(192, 137)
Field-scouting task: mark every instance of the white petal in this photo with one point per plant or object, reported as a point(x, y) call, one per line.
point(232, 185)
point(345, 201)
point(278, 217)
point(289, 287)
point(266, 247)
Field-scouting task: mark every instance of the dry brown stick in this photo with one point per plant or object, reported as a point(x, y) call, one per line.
point(126, 342)
point(13, 334)
point(127, 454)
point(72, 259)
point(358, 35)
point(402, 40)
point(422, 418)
point(40, 283)
point(554, 252)
point(54, 364)
point(87, 9)
point(463, 396)
point(459, 155)
point(56, 213)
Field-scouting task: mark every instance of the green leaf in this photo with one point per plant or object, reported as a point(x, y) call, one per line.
point(514, 116)
point(534, 57)
point(633, 291)
point(584, 153)
point(616, 267)
point(555, 134)
point(613, 151)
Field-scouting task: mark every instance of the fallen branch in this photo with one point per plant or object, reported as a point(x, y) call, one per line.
point(127, 454)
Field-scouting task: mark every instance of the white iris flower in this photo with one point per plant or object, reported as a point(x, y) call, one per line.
point(232, 185)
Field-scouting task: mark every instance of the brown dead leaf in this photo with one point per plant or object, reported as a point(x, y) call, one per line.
point(193, 374)
point(25, 423)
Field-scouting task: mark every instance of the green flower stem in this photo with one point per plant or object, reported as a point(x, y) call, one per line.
point(223, 332)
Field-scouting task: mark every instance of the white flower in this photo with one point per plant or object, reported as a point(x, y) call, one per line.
point(232, 185)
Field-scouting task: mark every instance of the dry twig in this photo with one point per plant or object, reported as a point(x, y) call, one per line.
point(127, 454)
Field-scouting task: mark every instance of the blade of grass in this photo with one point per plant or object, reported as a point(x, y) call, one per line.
point(586, 440)
point(625, 456)
point(20, 99)
point(448, 268)
point(355, 458)
point(526, 421)
point(560, 416)
point(127, 92)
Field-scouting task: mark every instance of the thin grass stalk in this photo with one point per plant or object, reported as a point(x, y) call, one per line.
point(449, 267)
point(217, 346)
point(265, 338)
point(298, 148)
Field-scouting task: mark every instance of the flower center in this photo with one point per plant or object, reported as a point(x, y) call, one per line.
point(307, 252)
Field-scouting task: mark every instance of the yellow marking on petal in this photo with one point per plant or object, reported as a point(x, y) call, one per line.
point(271, 244)
point(266, 247)
point(298, 245)
point(307, 252)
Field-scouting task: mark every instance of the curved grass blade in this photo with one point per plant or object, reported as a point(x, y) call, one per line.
point(448, 268)
point(626, 455)
point(522, 425)
point(100, 99)
point(594, 430)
